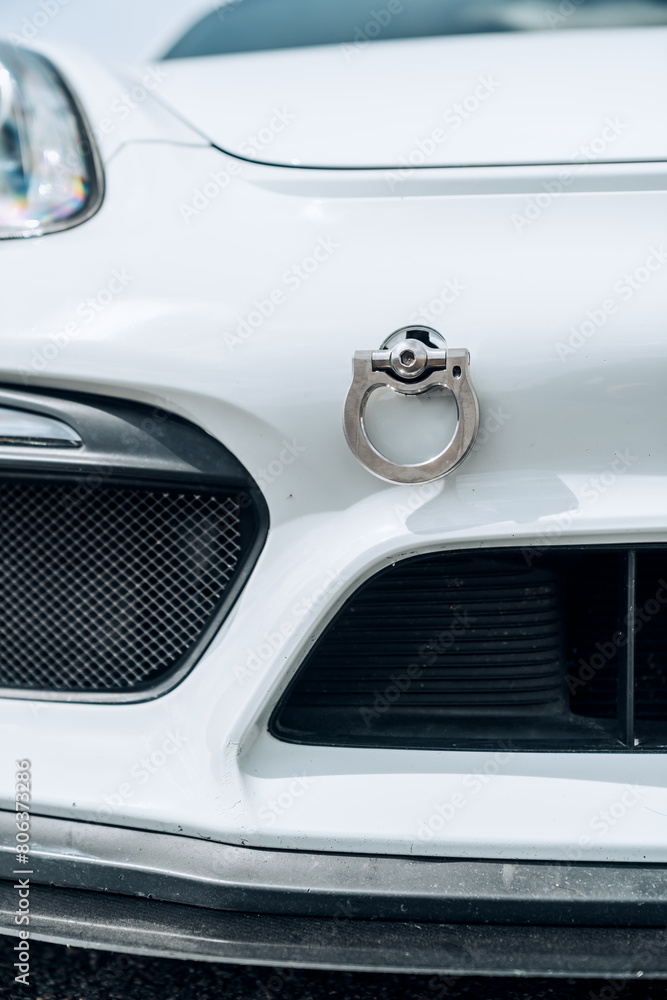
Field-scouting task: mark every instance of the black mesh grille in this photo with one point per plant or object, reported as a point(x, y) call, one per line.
point(527, 648)
point(108, 588)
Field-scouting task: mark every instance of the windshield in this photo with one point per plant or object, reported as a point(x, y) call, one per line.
point(259, 25)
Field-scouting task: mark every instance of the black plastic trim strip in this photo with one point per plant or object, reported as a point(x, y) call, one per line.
point(167, 930)
point(133, 441)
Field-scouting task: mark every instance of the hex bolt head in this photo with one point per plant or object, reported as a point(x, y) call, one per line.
point(409, 358)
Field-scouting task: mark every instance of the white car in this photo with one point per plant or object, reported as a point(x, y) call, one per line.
point(333, 489)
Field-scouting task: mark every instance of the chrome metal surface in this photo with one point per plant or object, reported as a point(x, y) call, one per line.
point(425, 334)
point(408, 359)
point(19, 428)
point(411, 366)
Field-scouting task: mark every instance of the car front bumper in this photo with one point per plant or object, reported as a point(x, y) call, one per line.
point(181, 897)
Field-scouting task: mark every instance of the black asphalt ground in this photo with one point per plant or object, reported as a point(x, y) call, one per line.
point(59, 973)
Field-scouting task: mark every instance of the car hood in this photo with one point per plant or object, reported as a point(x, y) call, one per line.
point(538, 97)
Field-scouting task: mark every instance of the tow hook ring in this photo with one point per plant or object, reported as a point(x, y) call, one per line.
point(412, 361)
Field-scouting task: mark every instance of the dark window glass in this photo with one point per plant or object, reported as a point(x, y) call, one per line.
point(260, 25)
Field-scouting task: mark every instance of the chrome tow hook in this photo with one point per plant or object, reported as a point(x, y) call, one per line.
point(413, 360)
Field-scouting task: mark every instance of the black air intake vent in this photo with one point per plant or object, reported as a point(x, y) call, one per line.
point(526, 649)
point(485, 632)
point(118, 559)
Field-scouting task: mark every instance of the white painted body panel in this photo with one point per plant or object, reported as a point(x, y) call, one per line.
point(546, 469)
point(526, 97)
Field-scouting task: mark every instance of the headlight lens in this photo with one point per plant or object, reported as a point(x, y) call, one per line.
point(50, 176)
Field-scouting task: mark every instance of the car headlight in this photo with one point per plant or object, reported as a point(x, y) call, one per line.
point(50, 173)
